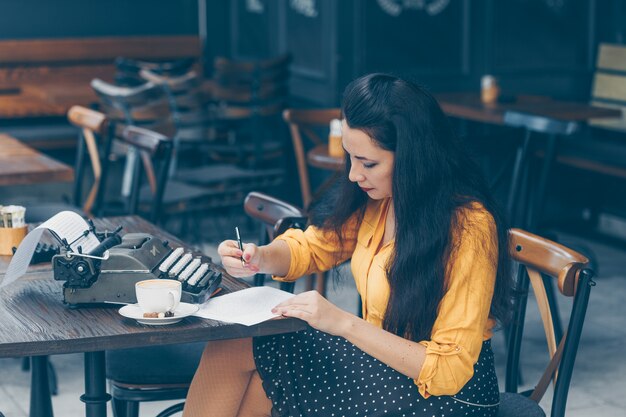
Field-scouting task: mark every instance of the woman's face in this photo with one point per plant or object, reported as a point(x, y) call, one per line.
point(371, 166)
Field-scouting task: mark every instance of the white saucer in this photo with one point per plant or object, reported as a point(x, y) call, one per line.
point(133, 311)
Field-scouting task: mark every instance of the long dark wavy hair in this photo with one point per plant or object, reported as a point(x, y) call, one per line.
point(434, 180)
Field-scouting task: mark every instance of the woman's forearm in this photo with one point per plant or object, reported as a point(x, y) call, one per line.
point(403, 355)
point(275, 258)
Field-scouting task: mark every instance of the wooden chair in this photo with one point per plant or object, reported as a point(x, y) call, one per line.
point(134, 378)
point(311, 148)
point(145, 105)
point(536, 257)
point(276, 216)
point(93, 139)
point(249, 97)
point(148, 106)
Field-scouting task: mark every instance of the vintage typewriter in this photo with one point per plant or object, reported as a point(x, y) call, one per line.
point(108, 273)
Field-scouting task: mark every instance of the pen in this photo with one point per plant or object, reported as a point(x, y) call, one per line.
point(243, 263)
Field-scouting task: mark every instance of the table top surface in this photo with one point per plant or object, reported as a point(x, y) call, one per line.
point(20, 164)
point(320, 158)
point(467, 105)
point(36, 322)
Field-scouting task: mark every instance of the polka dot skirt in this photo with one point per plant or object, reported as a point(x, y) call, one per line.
point(311, 373)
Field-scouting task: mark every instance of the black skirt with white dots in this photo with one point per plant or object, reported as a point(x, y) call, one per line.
point(312, 373)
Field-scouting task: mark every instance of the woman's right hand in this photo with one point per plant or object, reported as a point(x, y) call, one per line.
point(231, 258)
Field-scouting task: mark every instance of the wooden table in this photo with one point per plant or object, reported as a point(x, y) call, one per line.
point(20, 164)
point(320, 158)
point(467, 105)
point(36, 323)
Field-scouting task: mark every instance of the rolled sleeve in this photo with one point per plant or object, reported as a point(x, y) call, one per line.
point(316, 250)
point(463, 316)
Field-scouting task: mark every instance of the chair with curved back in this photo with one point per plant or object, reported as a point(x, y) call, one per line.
point(93, 142)
point(249, 97)
point(310, 147)
point(537, 256)
point(275, 216)
point(148, 106)
point(196, 130)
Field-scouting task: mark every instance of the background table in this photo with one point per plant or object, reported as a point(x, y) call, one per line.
point(21, 164)
point(35, 322)
point(467, 105)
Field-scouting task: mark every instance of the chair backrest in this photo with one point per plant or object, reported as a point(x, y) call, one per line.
point(276, 215)
point(146, 105)
point(154, 150)
point(127, 70)
point(94, 137)
point(249, 97)
point(609, 84)
point(541, 260)
point(189, 104)
point(305, 124)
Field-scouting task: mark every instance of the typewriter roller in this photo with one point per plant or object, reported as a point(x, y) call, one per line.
point(92, 278)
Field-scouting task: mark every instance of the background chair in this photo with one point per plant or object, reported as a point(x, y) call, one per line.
point(93, 138)
point(127, 69)
point(196, 133)
point(525, 208)
point(249, 97)
point(276, 216)
point(158, 373)
point(148, 106)
point(537, 256)
point(528, 187)
point(309, 130)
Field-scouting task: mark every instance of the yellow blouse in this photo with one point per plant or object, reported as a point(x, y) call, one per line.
point(463, 321)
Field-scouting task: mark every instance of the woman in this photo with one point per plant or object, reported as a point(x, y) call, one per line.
point(429, 256)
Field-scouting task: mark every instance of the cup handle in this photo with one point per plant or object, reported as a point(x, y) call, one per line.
point(172, 303)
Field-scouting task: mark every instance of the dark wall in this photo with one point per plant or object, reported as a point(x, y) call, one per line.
point(532, 46)
point(27, 19)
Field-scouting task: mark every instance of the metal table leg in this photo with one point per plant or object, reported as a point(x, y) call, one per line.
point(95, 397)
point(40, 399)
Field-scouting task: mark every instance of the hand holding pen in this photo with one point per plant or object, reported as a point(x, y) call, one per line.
point(234, 261)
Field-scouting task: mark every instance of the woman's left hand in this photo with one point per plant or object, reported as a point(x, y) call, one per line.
point(316, 310)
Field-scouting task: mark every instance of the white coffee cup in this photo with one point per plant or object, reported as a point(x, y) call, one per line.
point(158, 295)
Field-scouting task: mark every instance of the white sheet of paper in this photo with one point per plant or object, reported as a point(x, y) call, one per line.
point(66, 224)
point(250, 306)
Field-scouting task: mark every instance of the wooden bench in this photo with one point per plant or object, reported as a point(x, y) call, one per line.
point(42, 78)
